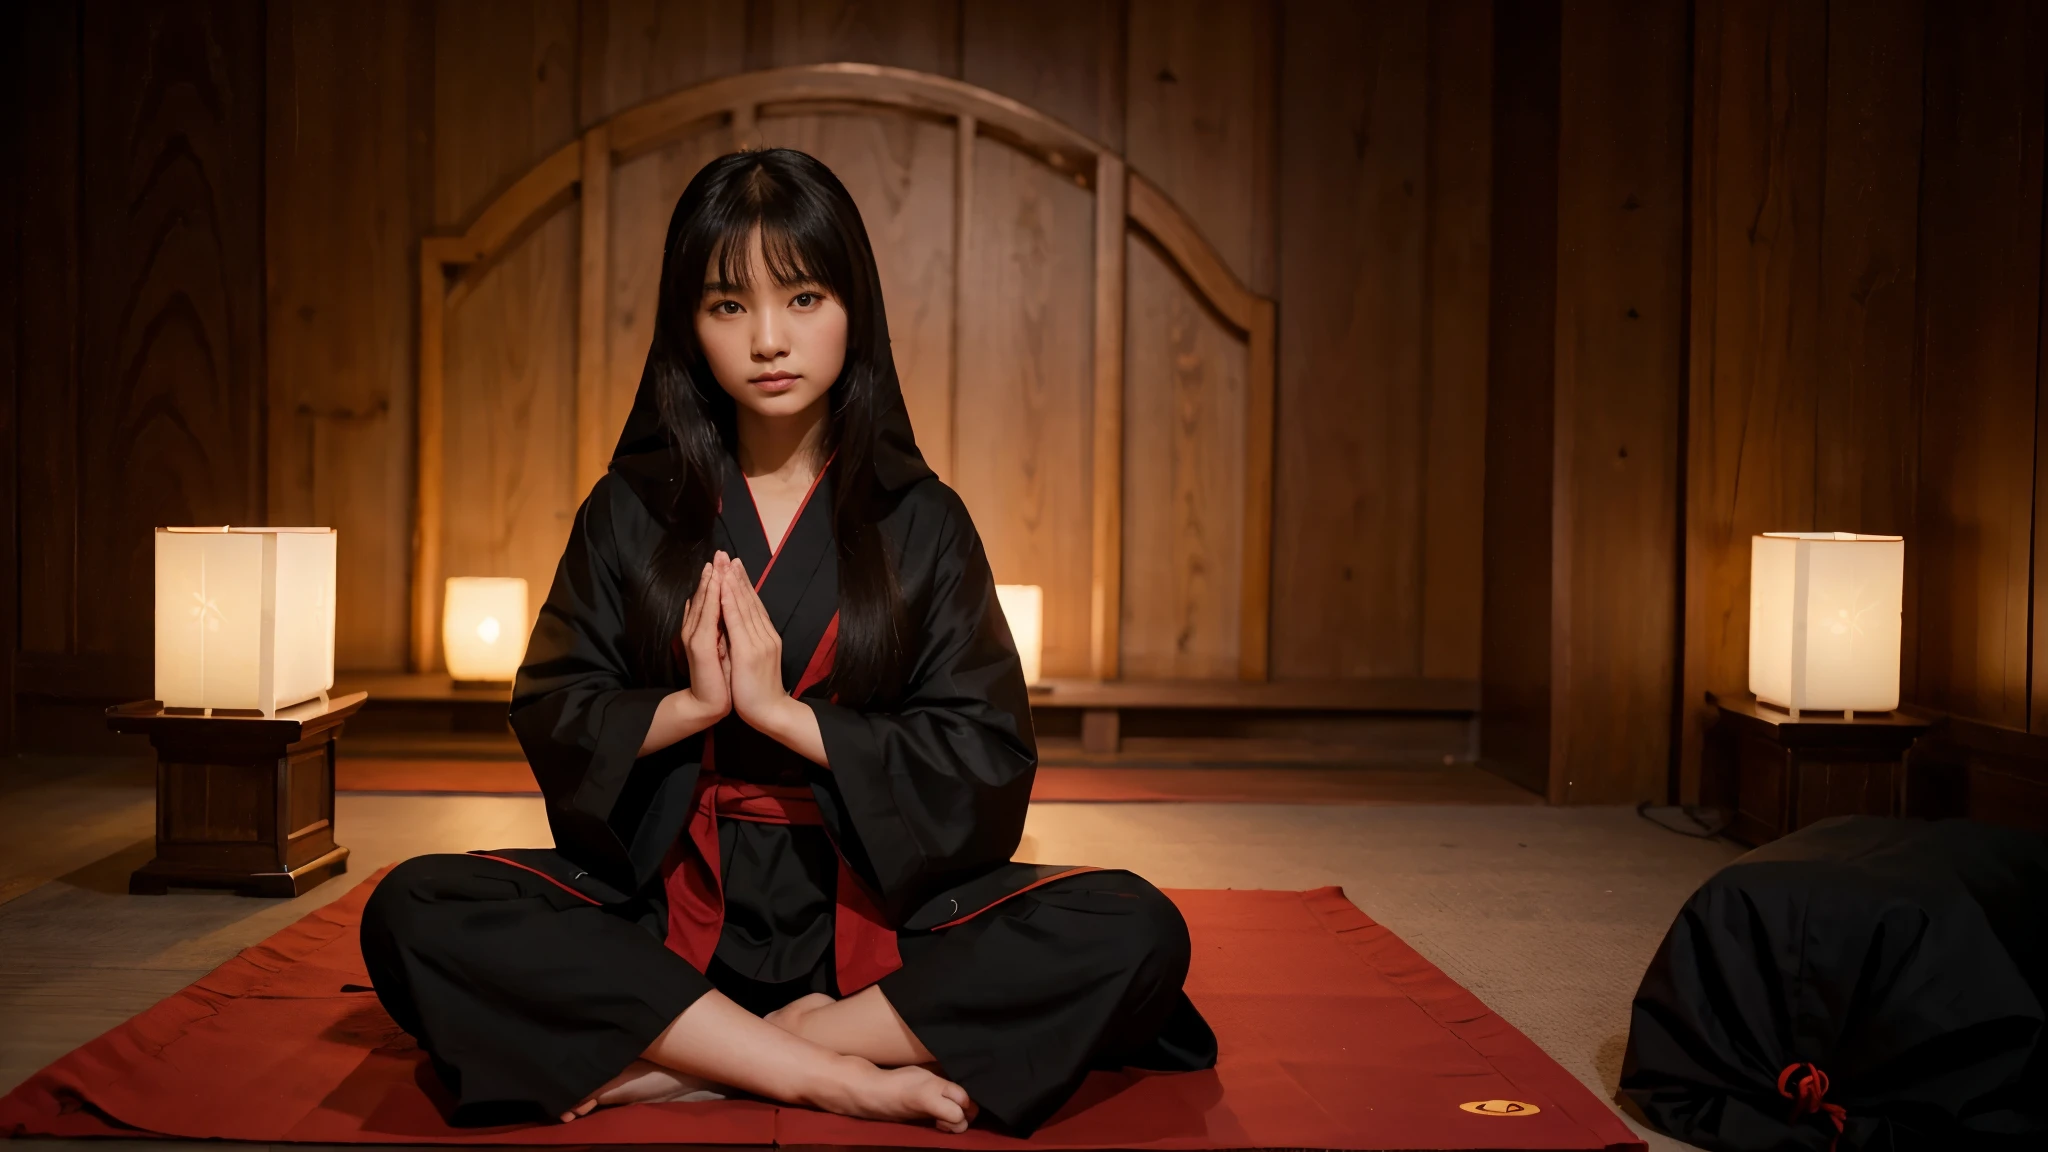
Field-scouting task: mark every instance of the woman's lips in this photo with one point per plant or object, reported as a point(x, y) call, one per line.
point(775, 381)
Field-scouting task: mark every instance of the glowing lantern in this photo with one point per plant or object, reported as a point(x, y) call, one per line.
point(483, 627)
point(1824, 613)
point(1024, 606)
point(244, 617)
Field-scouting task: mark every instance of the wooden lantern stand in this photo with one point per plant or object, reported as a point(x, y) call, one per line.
point(1777, 773)
point(242, 801)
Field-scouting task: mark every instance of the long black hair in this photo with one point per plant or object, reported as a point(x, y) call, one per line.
point(810, 232)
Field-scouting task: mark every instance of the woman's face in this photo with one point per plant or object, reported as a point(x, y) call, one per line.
point(775, 348)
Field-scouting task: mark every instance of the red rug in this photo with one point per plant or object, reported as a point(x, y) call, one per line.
point(1334, 1034)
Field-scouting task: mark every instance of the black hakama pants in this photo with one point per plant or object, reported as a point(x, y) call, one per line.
point(528, 999)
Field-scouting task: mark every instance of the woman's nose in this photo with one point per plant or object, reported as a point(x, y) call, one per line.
point(770, 337)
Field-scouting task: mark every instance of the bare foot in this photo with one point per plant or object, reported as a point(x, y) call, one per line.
point(910, 1094)
point(790, 1017)
point(647, 1083)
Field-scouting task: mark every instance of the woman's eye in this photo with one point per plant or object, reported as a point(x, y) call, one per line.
point(726, 308)
point(805, 299)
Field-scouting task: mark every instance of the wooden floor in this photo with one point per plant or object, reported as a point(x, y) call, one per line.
point(1548, 914)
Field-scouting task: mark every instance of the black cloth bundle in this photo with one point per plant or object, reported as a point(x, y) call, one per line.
point(1863, 983)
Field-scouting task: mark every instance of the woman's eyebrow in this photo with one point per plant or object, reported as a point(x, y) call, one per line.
point(720, 286)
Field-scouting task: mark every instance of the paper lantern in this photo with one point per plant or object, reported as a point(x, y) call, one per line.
point(1024, 606)
point(483, 627)
point(1824, 610)
point(244, 617)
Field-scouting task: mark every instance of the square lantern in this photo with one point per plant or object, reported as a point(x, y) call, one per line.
point(483, 627)
point(1024, 607)
point(1824, 613)
point(244, 617)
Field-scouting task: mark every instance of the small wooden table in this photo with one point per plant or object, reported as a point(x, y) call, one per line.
point(1777, 774)
point(242, 802)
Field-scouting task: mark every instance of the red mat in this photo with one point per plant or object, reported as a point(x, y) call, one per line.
point(1334, 1034)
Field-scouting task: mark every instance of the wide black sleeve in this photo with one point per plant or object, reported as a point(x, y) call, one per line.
point(579, 715)
point(937, 785)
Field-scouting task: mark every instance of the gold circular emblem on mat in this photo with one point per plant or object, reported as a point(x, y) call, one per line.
point(1500, 1108)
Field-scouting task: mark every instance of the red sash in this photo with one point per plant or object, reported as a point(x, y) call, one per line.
point(863, 943)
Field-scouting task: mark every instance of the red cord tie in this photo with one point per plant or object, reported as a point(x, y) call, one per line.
point(1806, 1086)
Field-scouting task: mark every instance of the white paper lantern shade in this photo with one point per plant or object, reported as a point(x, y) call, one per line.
point(244, 617)
point(1824, 621)
point(1024, 607)
point(483, 627)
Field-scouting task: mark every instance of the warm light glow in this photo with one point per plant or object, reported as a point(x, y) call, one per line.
point(244, 616)
point(478, 643)
point(1024, 606)
point(1824, 615)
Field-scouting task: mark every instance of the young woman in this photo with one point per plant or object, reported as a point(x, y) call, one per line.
point(782, 732)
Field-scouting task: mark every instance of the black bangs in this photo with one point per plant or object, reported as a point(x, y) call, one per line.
point(802, 239)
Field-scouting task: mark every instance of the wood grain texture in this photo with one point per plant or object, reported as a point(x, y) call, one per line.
point(1183, 522)
point(919, 34)
point(635, 50)
point(1867, 437)
point(13, 100)
point(1620, 330)
point(1458, 182)
point(1759, 119)
point(1106, 575)
point(348, 100)
point(1519, 583)
point(170, 304)
point(505, 97)
point(1980, 281)
point(1062, 57)
point(1199, 120)
point(1199, 124)
point(1354, 222)
point(47, 357)
point(900, 172)
point(1024, 393)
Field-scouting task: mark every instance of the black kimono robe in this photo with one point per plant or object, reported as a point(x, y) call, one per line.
point(730, 861)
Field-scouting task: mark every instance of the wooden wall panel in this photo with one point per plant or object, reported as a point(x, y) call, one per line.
point(635, 50)
point(1353, 429)
point(1515, 664)
point(350, 96)
point(1620, 333)
point(1759, 119)
point(1980, 279)
point(48, 355)
point(1022, 408)
point(1062, 57)
point(1198, 123)
point(170, 305)
point(1458, 184)
point(1184, 396)
point(1867, 435)
point(14, 98)
point(504, 96)
point(919, 34)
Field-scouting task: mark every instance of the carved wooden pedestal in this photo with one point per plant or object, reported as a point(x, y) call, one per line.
point(242, 802)
point(1777, 775)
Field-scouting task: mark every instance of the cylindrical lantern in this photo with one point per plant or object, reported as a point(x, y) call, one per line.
point(1024, 606)
point(244, 617)
point(1824, 611)
point(483, 627)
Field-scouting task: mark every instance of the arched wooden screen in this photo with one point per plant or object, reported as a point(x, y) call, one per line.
point(451, 264)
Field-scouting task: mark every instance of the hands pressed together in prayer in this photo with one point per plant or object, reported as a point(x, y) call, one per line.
point(734, 655)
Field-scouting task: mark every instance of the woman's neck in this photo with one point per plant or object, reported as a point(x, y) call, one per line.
point(784, 448)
